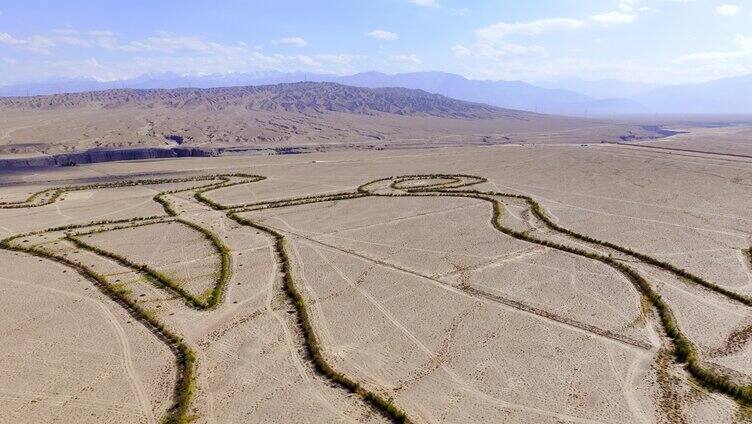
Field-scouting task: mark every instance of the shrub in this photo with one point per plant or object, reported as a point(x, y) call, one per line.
point(313, 350)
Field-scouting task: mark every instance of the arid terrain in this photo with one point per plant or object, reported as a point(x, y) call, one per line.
point(283, 118)
point(540, 283)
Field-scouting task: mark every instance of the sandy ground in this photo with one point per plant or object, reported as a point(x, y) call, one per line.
point(420, 300)
point(70, 355)
point(172, 248)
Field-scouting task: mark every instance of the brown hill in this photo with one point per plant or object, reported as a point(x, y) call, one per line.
point(304, 97)
point(273, 118)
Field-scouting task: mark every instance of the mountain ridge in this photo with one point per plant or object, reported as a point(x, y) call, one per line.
point(303, 97)
point(517, 95)
point(607, 97)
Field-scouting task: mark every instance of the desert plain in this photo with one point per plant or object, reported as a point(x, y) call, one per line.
point(587, 283)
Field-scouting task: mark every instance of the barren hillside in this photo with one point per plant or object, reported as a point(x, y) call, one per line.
point(301, 116)
point(304, 97)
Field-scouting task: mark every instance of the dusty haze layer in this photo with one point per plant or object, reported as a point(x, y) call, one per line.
point(432, 303)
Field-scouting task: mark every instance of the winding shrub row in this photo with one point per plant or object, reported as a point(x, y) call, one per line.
point(313, 349)
point(539, 212)
point(29, 199)
point(58, 191)
point(164, 280)
point(201, 197)
point(161, 278)
point(456, 183)
point(291, 201)
point(300, 201)
point(225, 271)
point(186, 359)
point(399, 183)
point(684, 350)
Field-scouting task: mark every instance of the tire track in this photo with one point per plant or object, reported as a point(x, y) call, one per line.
point(477, 293)
point(127, 355)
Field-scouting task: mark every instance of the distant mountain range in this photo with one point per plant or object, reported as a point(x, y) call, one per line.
point(269, 119)
point(602, 89)
point(569, 97)
point(724, 96)
point(298, 98)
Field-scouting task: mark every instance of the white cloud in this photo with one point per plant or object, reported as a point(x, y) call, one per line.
point(164, 42)
point(727, 10)
point(492, 44)
point(502, 29)
point(86, 39)
point(499, 50)
point(627, 5)
point(163, 52)
point(35, 43)
point(425, 2)
point(744, 51)
point(744, 42)
point(382, 35)
point(718, 64)
point(498, 53)
point(291, 41)
point(720, 56)
point(170, 43)
point(461, 51)
point(614, 18)
point(8, 39)
point(548, 68)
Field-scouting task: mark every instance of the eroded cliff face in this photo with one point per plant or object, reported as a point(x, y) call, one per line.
point(106, 155)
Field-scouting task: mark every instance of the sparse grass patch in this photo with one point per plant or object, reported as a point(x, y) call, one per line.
point(121, 289)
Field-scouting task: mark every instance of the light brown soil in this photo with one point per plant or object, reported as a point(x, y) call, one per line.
point(419, 299)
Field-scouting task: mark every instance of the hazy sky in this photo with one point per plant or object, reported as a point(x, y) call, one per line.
point(668, 41)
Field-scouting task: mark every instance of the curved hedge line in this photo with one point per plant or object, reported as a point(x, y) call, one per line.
point(313, 349)
point(186, 359)
point(199, 194)
point(684, 350)
point(165, 281)
point(29, 199)
point(225, 271)
point(59, 191)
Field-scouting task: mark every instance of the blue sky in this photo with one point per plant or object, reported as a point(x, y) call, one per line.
point(665, 41)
